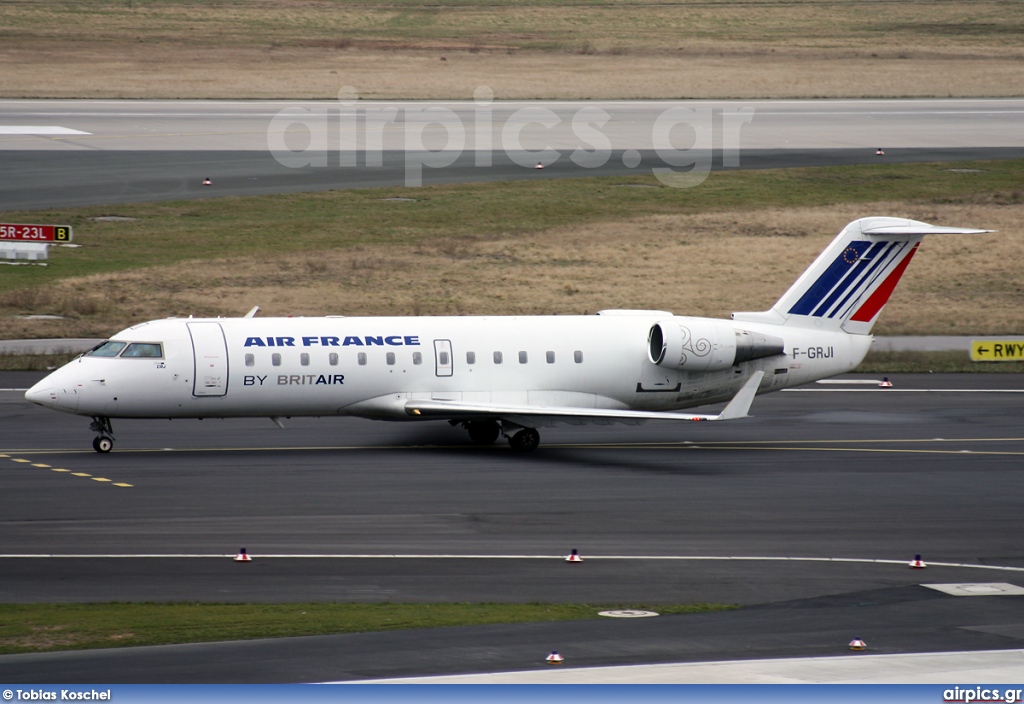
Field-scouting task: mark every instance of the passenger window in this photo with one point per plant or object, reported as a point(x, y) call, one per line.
point(522, 357)
point(304, 359)
point(497, 357)
point(442, 359)
point(577, 357)
point(361, 358)
point(471, 358)
point(390, 358)
point(551, 357)
point(143, 349)
point(110, 348)
point(275, 359)
point(332, 359)
point(250, 359)
point(417, 358)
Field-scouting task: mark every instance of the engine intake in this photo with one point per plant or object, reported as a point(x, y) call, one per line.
point(703, 344)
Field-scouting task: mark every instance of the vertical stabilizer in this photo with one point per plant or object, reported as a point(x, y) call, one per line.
point(850, 282)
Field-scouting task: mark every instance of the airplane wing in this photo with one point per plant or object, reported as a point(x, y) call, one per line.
point(738, 407)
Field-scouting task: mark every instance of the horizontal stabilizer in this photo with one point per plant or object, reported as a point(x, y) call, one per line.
point(921, 228)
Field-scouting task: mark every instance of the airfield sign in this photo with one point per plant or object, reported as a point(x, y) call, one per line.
point(997, 350)
point(10, 232)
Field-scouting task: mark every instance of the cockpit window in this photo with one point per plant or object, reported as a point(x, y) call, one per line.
point(115, 348)
point(110, 348)
point(143, 349)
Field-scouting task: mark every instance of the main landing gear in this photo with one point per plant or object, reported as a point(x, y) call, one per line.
point(104, 442)
point(526, 440)
point(485, 432)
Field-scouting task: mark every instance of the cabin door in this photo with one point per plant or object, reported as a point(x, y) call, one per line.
point(443, 357)
point(211, 359)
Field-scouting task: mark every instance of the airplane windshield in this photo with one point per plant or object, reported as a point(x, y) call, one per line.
point(115, 348)
point(110, 348)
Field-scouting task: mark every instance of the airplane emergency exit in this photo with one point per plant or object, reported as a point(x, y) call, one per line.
point(497, 376)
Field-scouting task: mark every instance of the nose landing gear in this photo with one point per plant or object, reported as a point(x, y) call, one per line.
point(104, 442)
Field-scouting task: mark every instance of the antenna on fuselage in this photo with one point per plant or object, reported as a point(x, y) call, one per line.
point(252, 313)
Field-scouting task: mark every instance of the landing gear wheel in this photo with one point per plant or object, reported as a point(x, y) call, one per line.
point(483, 432)
point(526, 440)
point(104, 442)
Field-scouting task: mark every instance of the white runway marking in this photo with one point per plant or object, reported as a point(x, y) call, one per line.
point(855, 382)
point(589, 558)
point(38, 129)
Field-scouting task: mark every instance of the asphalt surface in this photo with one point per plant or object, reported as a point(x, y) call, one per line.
point(849, 472)
point(117, 152)
point(47, 179)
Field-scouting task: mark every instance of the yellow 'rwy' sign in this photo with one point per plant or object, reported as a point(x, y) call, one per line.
point(997, 350)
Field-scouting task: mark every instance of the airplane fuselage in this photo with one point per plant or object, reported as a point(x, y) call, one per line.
point(371, 366)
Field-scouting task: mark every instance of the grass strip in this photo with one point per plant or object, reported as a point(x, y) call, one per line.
point(285, 225)
point(30, 628)
point(33, 362)
point(584, 27)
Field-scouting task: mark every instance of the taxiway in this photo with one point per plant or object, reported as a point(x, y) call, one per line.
point(806, 514)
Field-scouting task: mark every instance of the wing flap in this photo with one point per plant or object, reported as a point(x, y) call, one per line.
point(738, 407)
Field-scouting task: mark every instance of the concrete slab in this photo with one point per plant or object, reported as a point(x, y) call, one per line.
point(990, 667)
point(978, 589)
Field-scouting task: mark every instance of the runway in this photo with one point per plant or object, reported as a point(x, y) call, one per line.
point(412, 513)
point(77, 153)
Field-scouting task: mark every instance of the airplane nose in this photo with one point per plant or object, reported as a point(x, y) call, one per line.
point(42, 393)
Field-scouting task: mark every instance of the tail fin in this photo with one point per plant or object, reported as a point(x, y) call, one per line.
point(849, 283)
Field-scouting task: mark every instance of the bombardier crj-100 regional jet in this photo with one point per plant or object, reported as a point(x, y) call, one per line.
point(497, 375)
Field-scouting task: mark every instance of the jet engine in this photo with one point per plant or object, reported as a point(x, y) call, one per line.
point(703, 344)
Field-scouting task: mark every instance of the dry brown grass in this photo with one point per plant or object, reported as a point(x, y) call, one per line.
point(413, 49)
point(41, 638)
point(140, 72)
point(224, 73)
point(708, 264)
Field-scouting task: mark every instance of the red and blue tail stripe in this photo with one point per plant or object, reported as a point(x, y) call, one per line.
point(867, 312)
point(850, 275)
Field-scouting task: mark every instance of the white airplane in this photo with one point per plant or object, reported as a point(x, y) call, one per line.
point(497, 375)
